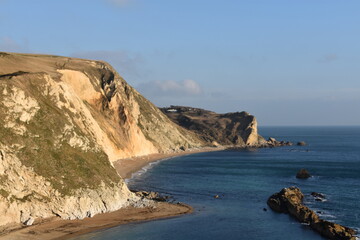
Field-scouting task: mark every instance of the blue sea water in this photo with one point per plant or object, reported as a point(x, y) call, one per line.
point(244, 179)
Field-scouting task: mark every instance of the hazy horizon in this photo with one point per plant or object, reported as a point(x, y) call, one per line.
point(288, 63)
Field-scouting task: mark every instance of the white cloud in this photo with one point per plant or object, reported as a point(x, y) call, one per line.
point(186, 88)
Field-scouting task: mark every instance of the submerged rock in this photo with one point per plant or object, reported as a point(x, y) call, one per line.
point(289, 200)
point(303, 174)
point(319, 197)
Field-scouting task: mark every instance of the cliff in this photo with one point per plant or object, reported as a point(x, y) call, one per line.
point(234, 129)
point(63, 121)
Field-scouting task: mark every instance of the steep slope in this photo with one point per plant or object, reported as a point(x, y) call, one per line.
point(63, 121)
point(239, 128)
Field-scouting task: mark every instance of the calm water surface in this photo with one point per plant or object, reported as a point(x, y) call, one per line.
point(244, 180)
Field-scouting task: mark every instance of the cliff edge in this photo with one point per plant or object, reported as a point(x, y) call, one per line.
point(230, 129)
point(63, 121)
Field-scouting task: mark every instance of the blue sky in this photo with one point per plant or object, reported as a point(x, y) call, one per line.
point(287, 62)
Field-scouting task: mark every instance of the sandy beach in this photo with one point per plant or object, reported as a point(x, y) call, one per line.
point(56, 228)
point(126, 167)
point(64, 229)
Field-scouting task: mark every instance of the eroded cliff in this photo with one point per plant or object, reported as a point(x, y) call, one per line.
point(63, 121)
point(234, 129)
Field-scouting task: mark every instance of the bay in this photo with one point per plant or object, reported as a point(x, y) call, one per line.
point(244, 179)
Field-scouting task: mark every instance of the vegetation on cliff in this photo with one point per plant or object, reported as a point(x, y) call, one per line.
point(63, 121)
point(234, 129)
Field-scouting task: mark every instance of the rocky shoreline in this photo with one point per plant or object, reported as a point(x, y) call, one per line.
point(54, 228)
point(289, 200)
point(270, 143)
point(158, 207)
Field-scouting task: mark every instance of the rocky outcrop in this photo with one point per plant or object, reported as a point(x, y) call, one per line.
point(233, 130)
point(230, 129)
point(152, 196)
point(272, 142)
point(63, 121)
point(303, 174)
point(289, 200)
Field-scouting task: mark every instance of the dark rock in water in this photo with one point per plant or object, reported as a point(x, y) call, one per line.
point(284, 200)
point(319, 195)
point(289, 200)
point(301, 143)
point(272, 139)
point(333, 231)
point(264, 209)
point(303, 174)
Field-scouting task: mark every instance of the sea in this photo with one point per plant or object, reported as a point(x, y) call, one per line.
point(244, 179)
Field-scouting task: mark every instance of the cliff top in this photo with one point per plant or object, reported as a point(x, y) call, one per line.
point(236, 128)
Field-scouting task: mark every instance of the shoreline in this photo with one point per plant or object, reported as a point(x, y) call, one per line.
point(56, 228)
point(128, 166)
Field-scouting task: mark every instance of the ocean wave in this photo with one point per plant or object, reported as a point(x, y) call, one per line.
point(145, 169)
point(323, 214)
point(298, 150)
point(327, 216)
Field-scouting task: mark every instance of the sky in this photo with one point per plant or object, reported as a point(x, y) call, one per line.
point(288, 62)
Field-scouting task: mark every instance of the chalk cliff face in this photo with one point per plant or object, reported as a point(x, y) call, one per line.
point(63, 121)
point(238, 128)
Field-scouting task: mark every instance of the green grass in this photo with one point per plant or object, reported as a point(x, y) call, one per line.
point(65, 167)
